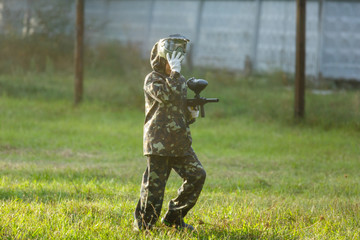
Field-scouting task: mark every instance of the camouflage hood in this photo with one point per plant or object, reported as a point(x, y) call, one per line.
point(157, 63)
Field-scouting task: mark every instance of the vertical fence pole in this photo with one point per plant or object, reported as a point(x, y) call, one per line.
point(27, 19)
point(147, 33)
point(79, 52)
point(300, 59)
point(320, 40)
point(256, 33)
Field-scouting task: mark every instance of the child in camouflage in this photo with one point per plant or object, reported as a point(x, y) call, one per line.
point(167, 139)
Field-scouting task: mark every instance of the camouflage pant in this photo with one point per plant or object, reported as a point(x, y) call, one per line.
point(153, 185)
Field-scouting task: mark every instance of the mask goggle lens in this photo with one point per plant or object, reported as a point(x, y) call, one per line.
point(174, 45)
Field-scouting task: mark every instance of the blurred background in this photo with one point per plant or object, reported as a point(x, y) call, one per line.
point(256, 35)
point(72, 171)
point(245, 49)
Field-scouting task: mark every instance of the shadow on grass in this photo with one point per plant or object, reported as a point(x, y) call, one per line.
point(238, 234)
point(79, 174)
point(215, 232)
point(73, 192)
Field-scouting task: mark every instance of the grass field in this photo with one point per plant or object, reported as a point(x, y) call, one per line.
point(75, 173)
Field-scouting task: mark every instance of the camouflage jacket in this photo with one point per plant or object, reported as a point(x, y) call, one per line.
point(167, 119)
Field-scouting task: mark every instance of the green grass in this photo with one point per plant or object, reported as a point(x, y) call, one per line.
point(75, 173)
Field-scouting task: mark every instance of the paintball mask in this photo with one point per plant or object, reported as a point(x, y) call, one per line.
point(172, 43)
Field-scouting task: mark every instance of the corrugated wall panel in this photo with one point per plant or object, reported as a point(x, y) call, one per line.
point(341, 40)
point(171, 17)
point(126, 20)
point(276, 44)
point(223, 33)
point(226, 34)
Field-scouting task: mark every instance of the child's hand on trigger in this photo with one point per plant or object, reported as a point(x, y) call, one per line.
point(194, 112)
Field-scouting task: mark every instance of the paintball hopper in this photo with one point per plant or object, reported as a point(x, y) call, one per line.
point(197, 85)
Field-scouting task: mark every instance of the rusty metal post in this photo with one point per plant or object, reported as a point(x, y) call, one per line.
point(300, 59)
point(253, 56)
point(79, 52)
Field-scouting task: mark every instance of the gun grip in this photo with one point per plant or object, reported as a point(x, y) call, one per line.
point(202, 110)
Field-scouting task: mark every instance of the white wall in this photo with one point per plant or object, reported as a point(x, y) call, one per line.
point(223, 33)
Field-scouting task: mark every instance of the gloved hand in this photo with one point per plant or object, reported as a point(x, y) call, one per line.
point(194, 111)
point(175, 61)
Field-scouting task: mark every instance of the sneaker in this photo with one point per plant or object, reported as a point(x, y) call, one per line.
point(180, 226)
point(136, 227)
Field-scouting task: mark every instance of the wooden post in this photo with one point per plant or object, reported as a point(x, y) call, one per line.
point(79, 51)
point(300, 59)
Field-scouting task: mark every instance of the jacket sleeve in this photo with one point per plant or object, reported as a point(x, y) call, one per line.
point(163, 89)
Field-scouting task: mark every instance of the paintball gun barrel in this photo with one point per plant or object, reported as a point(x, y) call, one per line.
point(197, 85)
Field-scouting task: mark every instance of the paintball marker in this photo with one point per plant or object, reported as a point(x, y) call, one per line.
point(197, 85)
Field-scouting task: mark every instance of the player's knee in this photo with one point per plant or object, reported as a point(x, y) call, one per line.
point(201, 175)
